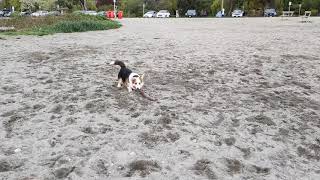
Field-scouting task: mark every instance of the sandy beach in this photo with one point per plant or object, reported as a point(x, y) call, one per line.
point(238, 98)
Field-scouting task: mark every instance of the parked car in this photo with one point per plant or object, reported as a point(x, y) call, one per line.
point(40, 13)
point(93, 13)
point(25, 13)
point(5, 13)
point(219, 14)
point(237, 13)
point(269, 12)
point(191, 13)
point(54, 13)
point(150, 14)
point(102, 13)
point(163, 14)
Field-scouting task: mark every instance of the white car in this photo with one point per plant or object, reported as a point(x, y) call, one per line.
point(40, 13)
point(93, 13)
point(163, 14)
point(237, 13)
point(150, 14)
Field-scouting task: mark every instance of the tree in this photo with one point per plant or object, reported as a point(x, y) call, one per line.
point(216, 6)
point(47, 4)
point(170, 5)
point(9, 3)
point(132, 8)
point(28, 4)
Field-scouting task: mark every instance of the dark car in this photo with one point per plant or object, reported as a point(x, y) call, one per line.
point(191, 13)
point(26, 13)
point(7, 13)
point(270, 12)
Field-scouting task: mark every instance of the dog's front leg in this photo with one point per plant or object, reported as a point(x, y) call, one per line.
point(119, 83)
point(129, 89)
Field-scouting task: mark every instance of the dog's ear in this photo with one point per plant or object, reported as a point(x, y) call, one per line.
point(142, 76)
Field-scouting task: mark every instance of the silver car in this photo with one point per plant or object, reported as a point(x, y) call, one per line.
point(237, 13)
point(40, 13)
point(163, 14)
point(93, 13)
point(150, 14)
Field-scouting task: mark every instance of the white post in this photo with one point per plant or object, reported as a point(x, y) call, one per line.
point(221, 5)
point(222, 9)
point(299, 9)
point(290, 4)
point(114, 9)
point(143, 5)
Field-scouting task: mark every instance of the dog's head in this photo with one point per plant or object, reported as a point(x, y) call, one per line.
point(137, 81)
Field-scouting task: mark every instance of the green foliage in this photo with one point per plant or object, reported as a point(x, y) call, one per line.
point(132, 8)
point(91, 5)
point(105, 7)
point(170, 5)
point(58, 24)
point(314, 12)
point(9, 3)
point(15, 14)
point(81, 26)
point(216, 6)
point(46, 4)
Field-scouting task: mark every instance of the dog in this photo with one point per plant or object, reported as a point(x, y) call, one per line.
point(126, 77)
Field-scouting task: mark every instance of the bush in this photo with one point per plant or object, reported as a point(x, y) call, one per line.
point(314, 12)
point(105, 8)
point(15, 14)
point(81, 26)
point(58, 24)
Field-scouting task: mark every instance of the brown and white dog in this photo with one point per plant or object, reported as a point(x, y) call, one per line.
point(127, 78)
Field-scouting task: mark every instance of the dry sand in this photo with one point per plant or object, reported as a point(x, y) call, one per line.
point(238, 99)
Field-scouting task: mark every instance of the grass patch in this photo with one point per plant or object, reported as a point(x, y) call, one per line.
point(57, 24)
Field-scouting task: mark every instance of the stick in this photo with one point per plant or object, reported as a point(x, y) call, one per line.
point(145, 96)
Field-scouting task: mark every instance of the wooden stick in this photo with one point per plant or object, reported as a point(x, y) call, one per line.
point(145, 96)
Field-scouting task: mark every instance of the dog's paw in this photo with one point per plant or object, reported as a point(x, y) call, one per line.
point(112, 62)
point(129, 89)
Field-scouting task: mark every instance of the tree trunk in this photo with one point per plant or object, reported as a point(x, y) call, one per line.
point(231, 7)
point(83, 4)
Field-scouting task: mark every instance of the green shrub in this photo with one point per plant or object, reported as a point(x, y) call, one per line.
point(80, 26)
point(105, 8)
point(58, 24)
point(314, 12)
point(15, 14)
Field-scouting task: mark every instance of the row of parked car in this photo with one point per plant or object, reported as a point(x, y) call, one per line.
point(166, 13)
point(8, 13)
point(160, 14)
point(189, 13)
point(269, 12)
point(150, 14)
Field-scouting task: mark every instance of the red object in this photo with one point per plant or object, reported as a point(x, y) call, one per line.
point(110, 14)
point(120, 14)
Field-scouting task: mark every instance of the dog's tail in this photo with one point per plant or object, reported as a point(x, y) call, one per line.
point(119, 63)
